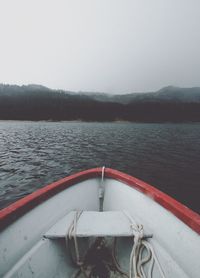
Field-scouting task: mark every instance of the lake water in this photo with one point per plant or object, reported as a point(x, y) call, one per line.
point(33, 154)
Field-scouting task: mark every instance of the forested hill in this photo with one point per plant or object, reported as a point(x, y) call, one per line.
point(35, 102)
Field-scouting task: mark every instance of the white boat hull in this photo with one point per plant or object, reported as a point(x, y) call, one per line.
point(26, 252)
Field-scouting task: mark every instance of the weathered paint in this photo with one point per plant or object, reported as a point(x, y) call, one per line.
point(18, 238)
point(175, 243)
point(22, 252)
point(22, 206)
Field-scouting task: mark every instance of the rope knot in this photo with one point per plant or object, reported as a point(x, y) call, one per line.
point(138, 258)
point(79, 263)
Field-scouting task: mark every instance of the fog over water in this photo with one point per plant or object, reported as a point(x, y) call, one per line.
point(33, 154)
point(115, 46)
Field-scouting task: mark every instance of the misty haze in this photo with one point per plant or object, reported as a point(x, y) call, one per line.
point(119, 62)
point(99, 138)
point(35, 102)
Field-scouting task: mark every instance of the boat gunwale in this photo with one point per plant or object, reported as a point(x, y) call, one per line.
point(22, 206)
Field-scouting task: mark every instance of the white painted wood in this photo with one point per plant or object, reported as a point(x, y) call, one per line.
point(23, 252)
point(18, 238)
point(174, 241)
point(93, 224)
point(46, 259)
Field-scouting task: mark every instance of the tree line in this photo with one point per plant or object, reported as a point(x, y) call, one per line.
point(58, 106)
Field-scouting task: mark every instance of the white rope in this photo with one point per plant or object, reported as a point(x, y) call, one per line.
point(150, 247)
point(137, 261)
point(72, 234)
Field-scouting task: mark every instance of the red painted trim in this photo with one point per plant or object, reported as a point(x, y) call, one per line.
point(15, 210)
point(189, 217)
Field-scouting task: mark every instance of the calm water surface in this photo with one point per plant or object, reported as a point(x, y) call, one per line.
point(33, 154)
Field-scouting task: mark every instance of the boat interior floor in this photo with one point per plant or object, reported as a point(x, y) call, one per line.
point(99, 245)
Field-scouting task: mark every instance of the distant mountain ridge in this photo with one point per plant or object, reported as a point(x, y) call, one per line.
point(36, 102)
point(169, 93)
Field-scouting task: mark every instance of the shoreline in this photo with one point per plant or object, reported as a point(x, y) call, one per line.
point(95, 121)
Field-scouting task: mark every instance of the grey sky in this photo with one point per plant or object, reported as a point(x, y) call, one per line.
point(100, 45)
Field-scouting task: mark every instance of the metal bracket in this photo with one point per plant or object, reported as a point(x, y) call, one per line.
point(101, 190)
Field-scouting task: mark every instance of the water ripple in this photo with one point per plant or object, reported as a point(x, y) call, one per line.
point(33, 154)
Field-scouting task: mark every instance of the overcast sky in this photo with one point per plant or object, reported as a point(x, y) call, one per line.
point(115, 46)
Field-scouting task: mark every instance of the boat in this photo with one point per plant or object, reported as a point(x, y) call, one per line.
point(99, 223)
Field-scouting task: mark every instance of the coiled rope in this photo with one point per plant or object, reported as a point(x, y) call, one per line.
point(137, 260)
